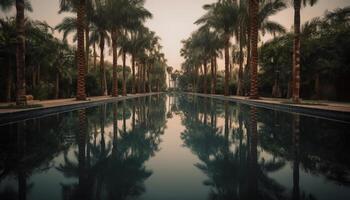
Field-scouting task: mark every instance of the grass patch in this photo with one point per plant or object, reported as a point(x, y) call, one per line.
point(14, 106)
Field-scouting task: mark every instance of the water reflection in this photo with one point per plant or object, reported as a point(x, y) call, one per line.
point(101, 160)
point(121, 151)
point(241, 156)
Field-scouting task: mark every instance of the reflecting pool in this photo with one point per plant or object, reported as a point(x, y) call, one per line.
point(169, 147)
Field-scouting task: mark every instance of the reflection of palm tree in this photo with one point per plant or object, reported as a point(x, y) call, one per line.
point(71, 169)
point(296, 130)
point(125, 171)
point(298, 143)
point(234, 173)
point(21, 154)
point(117, 168)
point(253, 152)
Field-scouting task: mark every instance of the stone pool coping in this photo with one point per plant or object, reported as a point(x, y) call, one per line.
point(329, 110)
point(59, 106)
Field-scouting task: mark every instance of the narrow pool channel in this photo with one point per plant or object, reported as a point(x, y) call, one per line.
point(175, 147)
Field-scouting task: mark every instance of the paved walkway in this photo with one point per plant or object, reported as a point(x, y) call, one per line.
point(66, 102)
point(324, 105)
point(325, 109)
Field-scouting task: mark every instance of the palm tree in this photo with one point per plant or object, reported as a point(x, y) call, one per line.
point(100, 21)
point(80, 6)
point(94, 40)
point(154, 56)
point(140, 39)
point(296, 48)
point(254, 34)
point(20, 61)
point(140, 42)
point(116, 10)
point(203, 46)
point(69, 23)
point(191, 53)
point(266, 10)
point(21, 6)
point(123, 41)
point(8, 33)
point(169, 70)
point(124, 17)
point(88, 21)
point(223, 17)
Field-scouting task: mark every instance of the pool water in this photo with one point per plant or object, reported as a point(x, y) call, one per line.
point(169, 147)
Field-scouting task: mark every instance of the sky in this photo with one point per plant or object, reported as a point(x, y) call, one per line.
point(173, 19)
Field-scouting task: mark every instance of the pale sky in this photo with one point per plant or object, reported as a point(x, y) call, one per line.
point(173, 19)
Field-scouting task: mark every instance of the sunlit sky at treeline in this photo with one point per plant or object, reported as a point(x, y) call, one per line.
point(173, 19)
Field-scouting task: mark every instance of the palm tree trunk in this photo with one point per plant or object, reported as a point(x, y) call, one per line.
point(317, 86)
point(169, 80)
point(102, 66)
point(81, 94)
point(215, 73)
point(205, 77)
point(95, 55)
point(133, 91)
point(144, 77)
point(8, 81)
point(148, 79)
point(87, 46)
point(197, 79)
point(227, 64)
point(254, 45)
point(20, 54)
point(212, 65)
point(34, 77)
point(57, 86)
point(296, 53)
point(115, 63)
point(139, 78)
point(240, 70)
point(124, 74)
point(247, 67)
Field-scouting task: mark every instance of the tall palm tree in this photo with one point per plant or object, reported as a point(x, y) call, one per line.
point(100, 21)
point(154, 56)
point(254, 34)
point(124, 17)
point(88, 21)
point(191, 53)
point(80, 6)
point(267, 8)
point(20, 53)
point(21, 6)
point(69, 23)
point(94, 40)
point(116, 11)
point(223, 17)
point(140, 41)
point(140, 38)
point(8, 32)
point(207, 45)
point(296, 48)
point(169, 70)
point(124, 42)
